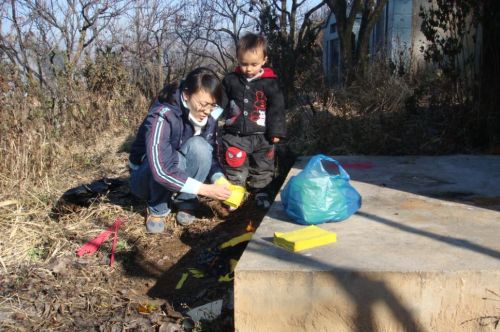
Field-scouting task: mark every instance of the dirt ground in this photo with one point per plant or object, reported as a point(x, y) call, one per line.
point(58, 291)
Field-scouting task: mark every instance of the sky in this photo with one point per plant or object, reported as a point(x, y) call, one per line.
point(6, 26)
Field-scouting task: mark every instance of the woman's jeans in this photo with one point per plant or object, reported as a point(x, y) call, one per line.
point(195, 159)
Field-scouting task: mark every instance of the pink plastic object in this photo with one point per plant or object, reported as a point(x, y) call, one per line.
point(91, 246)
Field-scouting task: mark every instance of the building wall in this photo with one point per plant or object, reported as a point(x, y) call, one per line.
point(392, 35)
point(329, 37)
point(397, 35)
point(399, 30)
point(419, 41)
point(472, 45)
point(331, 48)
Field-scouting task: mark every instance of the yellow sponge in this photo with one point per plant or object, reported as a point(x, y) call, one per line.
point(237, 192)
point(304, 238)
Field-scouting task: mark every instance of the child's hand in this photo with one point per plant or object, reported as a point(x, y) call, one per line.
point(275, 140)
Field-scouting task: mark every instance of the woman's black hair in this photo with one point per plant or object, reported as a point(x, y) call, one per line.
point(201, 78)
point(205, 79)
point(166, 95)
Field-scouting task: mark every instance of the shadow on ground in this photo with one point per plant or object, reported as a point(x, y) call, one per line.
point(154, 263)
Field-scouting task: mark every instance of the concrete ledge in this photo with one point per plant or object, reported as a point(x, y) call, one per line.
point(422, 254)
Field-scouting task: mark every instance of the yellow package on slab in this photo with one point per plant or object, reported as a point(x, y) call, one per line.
point(304, 238)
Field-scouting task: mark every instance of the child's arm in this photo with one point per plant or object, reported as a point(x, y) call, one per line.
point(275, 113)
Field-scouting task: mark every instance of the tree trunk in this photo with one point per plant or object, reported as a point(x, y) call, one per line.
point(368, 21)
point(345, 23)
point(159, 62)
point(490, 72)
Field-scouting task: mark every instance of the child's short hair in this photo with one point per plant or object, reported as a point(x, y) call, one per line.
point(251, 42)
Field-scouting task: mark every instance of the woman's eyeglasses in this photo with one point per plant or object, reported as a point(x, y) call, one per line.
point(204, 106)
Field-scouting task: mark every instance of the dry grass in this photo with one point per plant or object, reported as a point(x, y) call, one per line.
point(49, 146)
point(44, 285)
point(386, 114)
point(31, 235)
point(47, 286)
point(359, 119)
point(37, 251)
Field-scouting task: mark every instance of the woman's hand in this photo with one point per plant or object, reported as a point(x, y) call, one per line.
point(215, 191)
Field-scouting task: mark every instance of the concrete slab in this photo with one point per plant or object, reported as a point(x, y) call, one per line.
point(422, 254)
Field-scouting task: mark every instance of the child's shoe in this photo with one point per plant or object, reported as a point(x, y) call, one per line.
point(262, 200)
point(155, 224)
point(184, 217)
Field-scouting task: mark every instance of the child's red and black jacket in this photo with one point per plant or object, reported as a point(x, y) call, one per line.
point(254, 107)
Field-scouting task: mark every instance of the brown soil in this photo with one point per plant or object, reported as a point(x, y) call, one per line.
point(59, 291)
point(136, 294)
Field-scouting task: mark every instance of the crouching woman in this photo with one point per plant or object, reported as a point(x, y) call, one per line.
point(174, 153)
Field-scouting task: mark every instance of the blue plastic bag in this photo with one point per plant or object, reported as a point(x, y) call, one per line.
point(320, 193)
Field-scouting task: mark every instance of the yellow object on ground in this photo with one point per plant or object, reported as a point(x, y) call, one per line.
point(222, 180)
point(229, 276)
point(236, 240)
point(237, 192)
point(226, 278)
point(237, 195)
point(304, 238)
point(232, 264)
point(181, 281)
point(146, 308)
point(197, 273)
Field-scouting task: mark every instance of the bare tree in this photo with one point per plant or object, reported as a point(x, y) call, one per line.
point(162, 41)
point(150, 41)
point(371, 11)
point(345, 12)
point(49, 37)
point(292, 28)
point(227, 20)
point(188, 30)
point(15, 39)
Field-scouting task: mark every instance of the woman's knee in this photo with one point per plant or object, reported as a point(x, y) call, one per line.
point(197, 148)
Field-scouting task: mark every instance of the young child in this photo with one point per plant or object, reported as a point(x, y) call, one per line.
point(255, 119)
